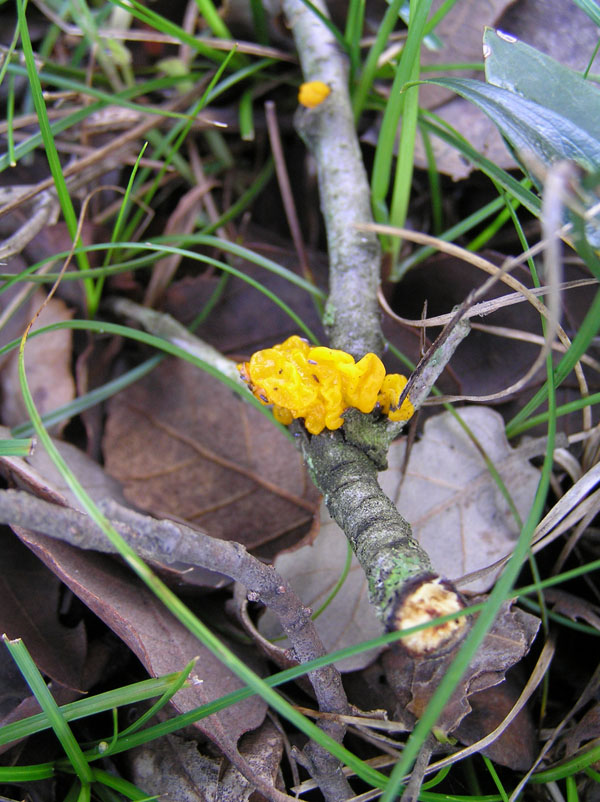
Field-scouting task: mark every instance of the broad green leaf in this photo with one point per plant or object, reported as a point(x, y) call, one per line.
point(513, 65)
point(530, 127)
point(591, 8)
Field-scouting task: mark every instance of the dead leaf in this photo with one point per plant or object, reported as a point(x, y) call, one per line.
point(415, 681)
point(44, 479)
point(29, 706)
point(585, 730)
point(573, 607)
point(245, 320)
point(47, 365)
point(131, 610)
point(479, 131)
point(161, 643)
point(16, 322)
point(185, 446)
point(29, 609)
point(313, 572)
point(483, 363)
point(13, 688)
point(457, 512)
point(177, 769)
point(516, 747)
point(263, 749)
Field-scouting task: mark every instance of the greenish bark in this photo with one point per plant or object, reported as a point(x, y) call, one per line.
point(380, 537)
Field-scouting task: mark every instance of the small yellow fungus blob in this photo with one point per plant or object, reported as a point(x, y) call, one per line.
point(319, 384)
point(313, 93)
point(389, 395)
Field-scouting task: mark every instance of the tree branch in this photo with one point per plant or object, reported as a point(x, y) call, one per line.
point(352, 316)
point(169, 542)
point(344, 465)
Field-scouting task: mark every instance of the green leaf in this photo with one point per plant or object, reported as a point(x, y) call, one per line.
point(530, 127)
point(513, 65)
point(591, 8)
point(16, 447)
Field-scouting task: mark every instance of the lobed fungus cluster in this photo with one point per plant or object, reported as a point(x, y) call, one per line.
point(319, 384)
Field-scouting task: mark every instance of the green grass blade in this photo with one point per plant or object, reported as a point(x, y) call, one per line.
point(64, 197)
point(246, 116)
point(100, 703)
point(119, 222)
point(213, 19)
point(88, 400)
point(127, 789)
point(57, 721)
point(405, 158)
point(260, 22)
point(160, 703)
point(439, 15)
point(583, 759)
point(157, 22)
point(21, 774)
point(591, 8)
point(10, 113)
point(16, 447)
point(384, 152)
point(435, 189)
point(355, 19)
point(389, 21)
point(514, 187)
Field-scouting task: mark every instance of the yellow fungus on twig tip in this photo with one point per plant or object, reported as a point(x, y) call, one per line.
point(312, 93)
point(319, 384)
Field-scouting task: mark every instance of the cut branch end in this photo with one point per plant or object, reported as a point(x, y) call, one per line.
point(432, 598)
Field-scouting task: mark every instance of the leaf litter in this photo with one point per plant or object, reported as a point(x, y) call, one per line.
point(458, 512)
point(472, 518)
point(244, 481)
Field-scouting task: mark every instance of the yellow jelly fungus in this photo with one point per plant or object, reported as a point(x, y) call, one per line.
point(389, 395)
point(313, 93)
point(319, 384)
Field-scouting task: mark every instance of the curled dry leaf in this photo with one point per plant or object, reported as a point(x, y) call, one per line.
point(457, 511)
point(29, 609)
point(516, 747)
point(176, 768)
point(47, 365)
point(415, 681)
